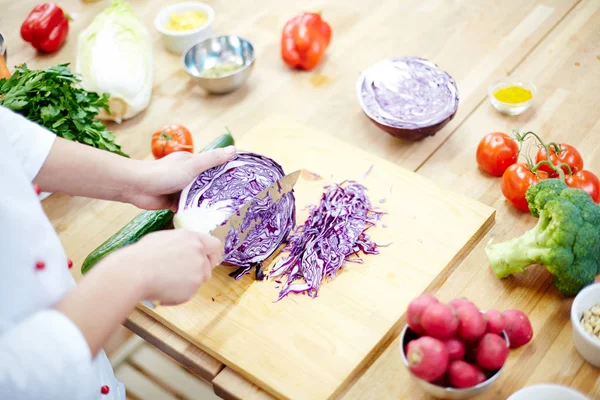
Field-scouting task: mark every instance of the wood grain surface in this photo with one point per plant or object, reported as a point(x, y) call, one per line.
point(328, 339)
point(553, 42)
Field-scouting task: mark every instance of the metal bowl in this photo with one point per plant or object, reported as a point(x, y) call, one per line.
point(442, 392)
point(218, 51)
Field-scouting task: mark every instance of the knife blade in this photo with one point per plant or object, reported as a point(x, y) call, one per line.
point(276, 191)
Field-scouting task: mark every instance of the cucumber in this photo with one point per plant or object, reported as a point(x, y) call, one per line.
point(144, 223)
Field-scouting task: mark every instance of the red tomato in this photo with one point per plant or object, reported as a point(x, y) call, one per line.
point(171, 138)
point(568, 155)
point(515, 181)
point(496, 152)
point(586, 181)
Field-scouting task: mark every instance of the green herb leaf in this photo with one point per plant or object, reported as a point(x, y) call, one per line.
point(53, 99)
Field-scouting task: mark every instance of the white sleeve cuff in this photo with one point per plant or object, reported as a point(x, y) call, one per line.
point(45, 356)
point(30, 142)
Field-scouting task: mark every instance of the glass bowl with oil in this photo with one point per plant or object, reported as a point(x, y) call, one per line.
point(512, 97)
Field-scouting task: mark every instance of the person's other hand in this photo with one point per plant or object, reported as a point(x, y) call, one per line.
point(169, 266)
point(159, 183)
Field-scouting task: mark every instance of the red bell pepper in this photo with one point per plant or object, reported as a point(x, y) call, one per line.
point(304, 40)
point(46, 27)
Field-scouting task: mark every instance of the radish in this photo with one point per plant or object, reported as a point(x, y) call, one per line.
point(464, 375)
point(439, 321)
point(492, 352)
point(461, 301)
point(495, 321)
point(456, 349)
point(517, 327)
point(427, 358)
point(415, 310)
point(471, 324)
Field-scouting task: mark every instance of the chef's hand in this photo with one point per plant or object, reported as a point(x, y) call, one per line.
point(172, 264)
point(168, 266)
point(160, 182)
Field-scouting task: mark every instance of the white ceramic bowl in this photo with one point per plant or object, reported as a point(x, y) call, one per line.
point(587, 346)
point(547, 391)
point(179, 42)
point(509, 108)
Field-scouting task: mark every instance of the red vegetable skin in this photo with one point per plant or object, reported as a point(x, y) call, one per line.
point(515, 181)
point(568, 155)
point(439, 321)
point(427, 358)
point(462, 375)
point(517, 327)
point(492, 352)
point(586, 181)
point(415, 311)
point(443, 381)
point(495, 322)
point(46, 27)
point(456, 349)
point(461, 301)
point(496, 152)
point(471, 324)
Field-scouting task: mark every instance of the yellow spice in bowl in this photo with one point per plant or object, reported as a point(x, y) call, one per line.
point(186, 21)
point(513, 95)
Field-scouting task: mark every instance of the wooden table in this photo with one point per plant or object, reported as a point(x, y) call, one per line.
point(555, 43)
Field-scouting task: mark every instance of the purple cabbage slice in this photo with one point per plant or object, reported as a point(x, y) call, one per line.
point(219, 192)
point(334, 232)
point(408, 96)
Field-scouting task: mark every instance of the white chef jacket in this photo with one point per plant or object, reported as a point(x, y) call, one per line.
point(43, 355)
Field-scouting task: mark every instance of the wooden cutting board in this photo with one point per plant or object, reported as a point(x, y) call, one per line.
point(304, 348)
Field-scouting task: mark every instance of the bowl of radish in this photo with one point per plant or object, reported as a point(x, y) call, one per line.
point(455, 350)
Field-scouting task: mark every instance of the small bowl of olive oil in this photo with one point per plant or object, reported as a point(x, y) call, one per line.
point(512, 97)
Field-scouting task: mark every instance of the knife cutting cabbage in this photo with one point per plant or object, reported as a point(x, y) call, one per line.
point(235, 223)
point(216, 194)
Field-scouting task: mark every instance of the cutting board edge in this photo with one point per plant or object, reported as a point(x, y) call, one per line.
point(223, 359)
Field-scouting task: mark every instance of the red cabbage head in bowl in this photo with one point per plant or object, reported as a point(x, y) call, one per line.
point(408, 97)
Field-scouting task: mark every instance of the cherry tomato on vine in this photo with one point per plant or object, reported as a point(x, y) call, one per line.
point(171, 138)
point(586, 181)
point(516, 180)
point(496, 152)
point(568, 155)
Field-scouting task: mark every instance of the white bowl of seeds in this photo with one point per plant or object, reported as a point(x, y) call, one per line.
point(585, 319)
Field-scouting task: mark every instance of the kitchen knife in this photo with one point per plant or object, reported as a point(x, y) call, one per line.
point(275, 191)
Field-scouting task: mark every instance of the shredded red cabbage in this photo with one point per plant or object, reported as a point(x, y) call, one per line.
point(333, 233)
point(221, 191)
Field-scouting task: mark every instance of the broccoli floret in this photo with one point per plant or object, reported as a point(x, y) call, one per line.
point(538, 195)
point(566, 238)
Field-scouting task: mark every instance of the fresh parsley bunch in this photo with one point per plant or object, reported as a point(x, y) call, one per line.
point(53, 99)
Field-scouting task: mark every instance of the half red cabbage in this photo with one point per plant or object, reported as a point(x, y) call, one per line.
point(333, 233)
point(408, 97)
point(221, 191)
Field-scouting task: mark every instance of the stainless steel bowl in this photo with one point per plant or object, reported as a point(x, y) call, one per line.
point(441, 392)
point(217, 51)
